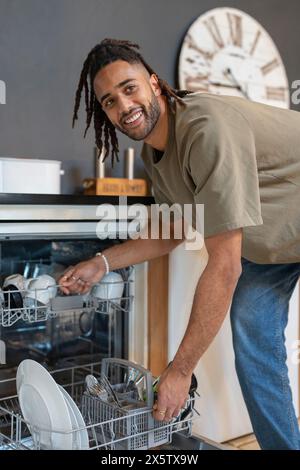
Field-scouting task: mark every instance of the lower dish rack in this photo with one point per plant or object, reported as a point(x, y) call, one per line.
point(125, 425)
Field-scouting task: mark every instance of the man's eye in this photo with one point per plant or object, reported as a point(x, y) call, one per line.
point(130, 87)
point(108, 103)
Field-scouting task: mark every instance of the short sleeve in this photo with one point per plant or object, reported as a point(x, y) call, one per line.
point(223, 167)
point(164, 206)
point(159, 197)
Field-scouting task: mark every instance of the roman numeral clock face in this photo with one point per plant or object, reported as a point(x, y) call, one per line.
point(227, 52)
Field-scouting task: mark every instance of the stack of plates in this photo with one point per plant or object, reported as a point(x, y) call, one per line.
point(53, 418)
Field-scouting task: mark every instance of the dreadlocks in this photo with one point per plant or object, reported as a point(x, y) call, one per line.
point(108, 51)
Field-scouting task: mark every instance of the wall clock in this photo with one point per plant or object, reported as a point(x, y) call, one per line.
point(227, 52)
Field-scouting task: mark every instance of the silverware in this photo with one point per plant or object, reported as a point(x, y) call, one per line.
point(95, 388)
point(105, 382)
point(131, 372)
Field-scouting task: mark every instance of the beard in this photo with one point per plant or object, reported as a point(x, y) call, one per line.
point(151, 115)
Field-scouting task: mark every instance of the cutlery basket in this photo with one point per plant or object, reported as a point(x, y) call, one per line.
point(128, 425)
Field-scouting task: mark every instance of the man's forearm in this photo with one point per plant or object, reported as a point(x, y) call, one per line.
point(211, 302)
point(136, 251)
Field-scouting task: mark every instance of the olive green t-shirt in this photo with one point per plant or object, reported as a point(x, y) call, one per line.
point(240, 159)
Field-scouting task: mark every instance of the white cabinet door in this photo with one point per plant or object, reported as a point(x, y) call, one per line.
point(223, 412)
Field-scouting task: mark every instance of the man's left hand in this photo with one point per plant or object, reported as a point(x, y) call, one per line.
point(173, 391)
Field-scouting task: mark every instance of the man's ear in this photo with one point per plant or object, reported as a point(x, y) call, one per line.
point(155, 85)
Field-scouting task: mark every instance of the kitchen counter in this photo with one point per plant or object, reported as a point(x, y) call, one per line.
point(68, 199)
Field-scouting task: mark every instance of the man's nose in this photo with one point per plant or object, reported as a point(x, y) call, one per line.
point(125, 106)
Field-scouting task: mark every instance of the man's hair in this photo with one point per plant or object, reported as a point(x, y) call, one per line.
point(108, 51)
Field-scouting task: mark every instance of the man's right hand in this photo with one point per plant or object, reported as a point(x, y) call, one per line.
point(79, 279)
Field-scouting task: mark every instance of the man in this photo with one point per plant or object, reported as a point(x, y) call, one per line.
point(242, 161)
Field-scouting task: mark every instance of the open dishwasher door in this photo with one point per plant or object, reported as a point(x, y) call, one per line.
point(195, 442)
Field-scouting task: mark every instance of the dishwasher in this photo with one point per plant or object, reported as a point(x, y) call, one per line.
point(77, 336)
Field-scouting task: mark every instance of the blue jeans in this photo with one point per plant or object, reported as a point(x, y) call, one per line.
point(259, 315)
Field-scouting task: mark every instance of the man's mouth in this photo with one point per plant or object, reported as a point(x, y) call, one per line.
point(134, 119)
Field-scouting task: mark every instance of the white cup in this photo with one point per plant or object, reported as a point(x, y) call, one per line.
point(41, 289)
point(16, 280)
point(27, 282)
point(109, 288)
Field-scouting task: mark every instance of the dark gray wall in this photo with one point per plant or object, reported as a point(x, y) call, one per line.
point(42, 47)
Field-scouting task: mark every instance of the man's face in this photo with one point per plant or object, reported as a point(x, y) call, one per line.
point(129, 97)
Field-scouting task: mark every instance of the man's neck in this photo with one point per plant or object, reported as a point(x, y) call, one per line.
point(159, 136)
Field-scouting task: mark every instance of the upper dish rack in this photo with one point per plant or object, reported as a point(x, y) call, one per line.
point(13, 306)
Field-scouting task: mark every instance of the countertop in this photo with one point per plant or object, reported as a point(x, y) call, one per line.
point(65, 199)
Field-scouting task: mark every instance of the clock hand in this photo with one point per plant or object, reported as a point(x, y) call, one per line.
point(225, 85)
point(229, 73)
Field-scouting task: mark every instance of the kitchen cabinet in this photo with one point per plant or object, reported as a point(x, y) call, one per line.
point(158, 307)
point(148, 338)
point(221, 406)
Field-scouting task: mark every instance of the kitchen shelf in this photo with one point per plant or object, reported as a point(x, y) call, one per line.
point(69, 199)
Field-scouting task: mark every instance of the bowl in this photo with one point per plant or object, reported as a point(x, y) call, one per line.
point(41, 289)
point(110, 287)
point(13, 298)
point(16, 280)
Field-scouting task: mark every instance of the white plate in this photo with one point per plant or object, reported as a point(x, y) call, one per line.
point(43, 406)
point(80, 438)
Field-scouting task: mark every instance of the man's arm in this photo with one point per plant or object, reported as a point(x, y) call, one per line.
point(136, 251)
point(212, 299)
point(119, 256)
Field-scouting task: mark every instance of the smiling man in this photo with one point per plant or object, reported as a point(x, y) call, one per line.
point(242, 161)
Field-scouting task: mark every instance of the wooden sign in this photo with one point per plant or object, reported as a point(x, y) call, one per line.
point(115, 187)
